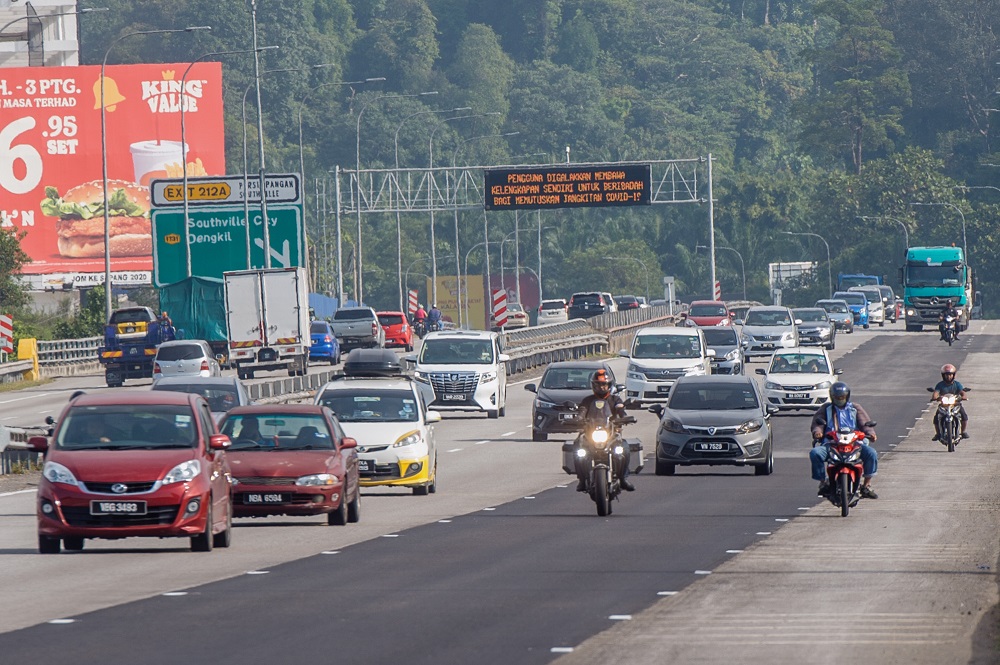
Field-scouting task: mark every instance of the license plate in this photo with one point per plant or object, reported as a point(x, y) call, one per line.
point(567, 416)
point(117, 507)
point(453, 398)
point(129, 329)
point(796, 395)
point(663, 389)
point(767, 345)
point(366, 466)
point(712, 447)
point(252, 498)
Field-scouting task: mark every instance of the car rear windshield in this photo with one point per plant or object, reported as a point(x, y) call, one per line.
point(352, 314)
point(180, 352)
point(721, 336)
point(372, 406)
point(666, 346)
point(130, 316)
point(767, 318)
point(707, 397)
point(219, 397)
point(834, 308)
point(811, 315)
point(278, 432)
point(854, 298)
point(390, 319)
point(586, 299)
point(708, 310)
point(457, 352)
point(799, 363)
point(319, 328)
point(553, 304)
point(871, 296)
point(127, 427)
point(567, 378)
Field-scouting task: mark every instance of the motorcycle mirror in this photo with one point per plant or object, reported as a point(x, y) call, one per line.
point(569, 405)
point(930, 390)
point(966, 388)
point(871, 423)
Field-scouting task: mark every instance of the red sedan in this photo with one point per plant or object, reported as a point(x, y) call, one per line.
point(134, 464)
point(292, 459)
point(397, 331)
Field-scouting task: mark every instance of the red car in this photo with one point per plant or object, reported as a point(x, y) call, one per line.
point(127, 464)
point(708, 313)
point(397, 331)
point(292, 459)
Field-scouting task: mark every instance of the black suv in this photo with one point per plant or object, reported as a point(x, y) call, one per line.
point(588, 304)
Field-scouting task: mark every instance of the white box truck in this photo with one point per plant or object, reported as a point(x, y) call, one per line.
point(267, 316)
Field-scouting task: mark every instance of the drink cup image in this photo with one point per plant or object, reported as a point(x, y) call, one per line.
point(158, 159)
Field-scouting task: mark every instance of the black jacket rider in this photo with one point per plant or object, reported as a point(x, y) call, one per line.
point(598, 407)
point(952, 311)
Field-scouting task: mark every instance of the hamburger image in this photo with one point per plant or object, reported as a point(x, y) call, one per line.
point(80, 219)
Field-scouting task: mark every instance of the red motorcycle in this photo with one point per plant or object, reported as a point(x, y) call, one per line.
point(844, 470)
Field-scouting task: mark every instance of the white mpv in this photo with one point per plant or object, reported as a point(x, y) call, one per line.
point(462, 370)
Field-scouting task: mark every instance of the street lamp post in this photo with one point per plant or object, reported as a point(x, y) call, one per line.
point(965, 246)
point(642, 263)
point(829, 272)
point(357, 175)
point(742, 267)
point(906, 233)
point(104, 155)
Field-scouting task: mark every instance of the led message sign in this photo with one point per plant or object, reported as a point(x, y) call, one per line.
point(568, 186)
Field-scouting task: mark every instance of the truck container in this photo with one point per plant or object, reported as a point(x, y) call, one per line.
point(267, 317)
point(931, 277)
point(197, 307)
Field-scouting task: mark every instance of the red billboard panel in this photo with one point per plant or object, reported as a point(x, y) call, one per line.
point(51, 184)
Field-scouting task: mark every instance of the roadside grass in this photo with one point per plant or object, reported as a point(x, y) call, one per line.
point(21, 385)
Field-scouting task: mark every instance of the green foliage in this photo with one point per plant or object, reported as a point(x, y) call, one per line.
point(90, 320)
point(12, 258)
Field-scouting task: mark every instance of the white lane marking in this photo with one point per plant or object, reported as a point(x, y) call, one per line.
point(49, 411)
point(561, 650)
point(892, 445)
point(620, 617)
point(444, 521)
point(62, 621)
point(174, 594)
point(455, 450)
point(508, 434)
point(666, 593)
point(781, 519)
point(489, 508)
point(703, 572)
point(529, 497)
point(21, 399)
point(17, 492)
point(258, 572)
point(331, 552)
point(902, 436)
point(909, 428)
point(390, 535)
point(763, 533)
point(803, 508)
point(479, 443)
point(733, 551)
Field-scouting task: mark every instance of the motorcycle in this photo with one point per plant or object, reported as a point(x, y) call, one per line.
point(949, 419)
point(420, 328)
point(950, 328)
point(844, 470)
point(601, 451)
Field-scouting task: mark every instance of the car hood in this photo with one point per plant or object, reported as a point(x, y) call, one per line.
point(722, 349)
point(377, 434)
point(713, 418)
point(754, 331)
point(709, 320)
point(271, 462)
point(837, 316)
point(666, 363)
point(558, 396)
point(458, 369)
point(799, 378)
point(107, 466)
point(814, 326)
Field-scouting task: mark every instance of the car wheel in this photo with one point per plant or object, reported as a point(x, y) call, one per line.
point(539, 436)
point(203, 541)
point(881, 324)
point(48, 545)
point(665, 468)
point(433, 488)
point(421, 490)
point(866, 326)
point(339, 516)
point(767, 468)
point(831, 346)
point(493, 413)
point(354, 508)
point(74, 544)
point(502, 411)
point(225, 537)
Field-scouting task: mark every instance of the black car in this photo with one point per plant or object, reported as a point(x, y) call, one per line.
point(627, 302)
point(586, 305)
point(567, 381)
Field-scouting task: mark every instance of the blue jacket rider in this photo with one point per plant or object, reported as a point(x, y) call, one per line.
point(837, 413)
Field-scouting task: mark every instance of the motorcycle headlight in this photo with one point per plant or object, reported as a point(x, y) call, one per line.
point(581, 453)
point(619, 450)
point(542, 404)
point(57, 473)
point(409, 439)
point(853, 456)
point(599, 436)
point(422, 377)
point(486, 377)
point(771, 385)
point(750, 426)
point(822, 386)
point(948, 400)
point(672, 425)
point(317, 480)
point(183, 472)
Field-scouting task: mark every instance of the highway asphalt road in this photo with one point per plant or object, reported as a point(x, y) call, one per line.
point(505, 564)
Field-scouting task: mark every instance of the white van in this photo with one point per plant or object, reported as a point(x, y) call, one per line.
point(660, 356)
point(462, 370)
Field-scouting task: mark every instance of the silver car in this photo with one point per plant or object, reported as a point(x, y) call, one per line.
point(714, 420)
point(221, 392)
point(767, 328)
point(817, 328)
point(725, 341)
point(839, 312)
point(185, 357)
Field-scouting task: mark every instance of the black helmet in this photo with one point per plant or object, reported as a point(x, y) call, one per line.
point(600, 383)
point(840, 393)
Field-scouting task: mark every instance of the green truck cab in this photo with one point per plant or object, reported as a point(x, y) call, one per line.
point(931, 277)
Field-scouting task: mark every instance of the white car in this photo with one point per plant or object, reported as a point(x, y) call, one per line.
point(553, 311)
point(462, 370)
point(388, 417)
point(876, 308)
point(661, 355)
point(798, 378)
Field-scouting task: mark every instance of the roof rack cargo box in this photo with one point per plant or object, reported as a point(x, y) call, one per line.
point(372, 362)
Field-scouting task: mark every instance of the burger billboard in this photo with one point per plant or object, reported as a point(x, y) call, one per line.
point(51, 180)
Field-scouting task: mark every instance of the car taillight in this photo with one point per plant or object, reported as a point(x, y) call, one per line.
point(204, 365)
point(326, 338)
point(374, 329)
point(156, 368)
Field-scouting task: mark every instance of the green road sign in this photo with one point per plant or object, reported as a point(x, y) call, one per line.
point(218, 241)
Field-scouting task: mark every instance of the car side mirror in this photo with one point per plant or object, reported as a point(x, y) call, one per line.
point(738, 322)
point(503, 357)
point(657, 409)
point(771, 410)
point(710, 353)
point(411, 359)
point(761, 371)
point(219, 442)
point(619, 387)
point(348, 442)
point(624, 353)
point(531, 387)
point(838, 372)
point(39, 444)
point(798, 322)
point(433, 417)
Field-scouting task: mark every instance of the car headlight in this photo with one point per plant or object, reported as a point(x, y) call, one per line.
point(408, 439)
point(633, 368)
point(672, 425)
point(486, 377)
point(183, 472)
point(822, 386)
point(696, 370)
point(771, 385)
point(787, 335)
point(318, 479)
point(690, 323)
point(422, 377)
point(733, 355)
point(542, 404)
point(750, 426)
point(723, 322)
point(57, 473)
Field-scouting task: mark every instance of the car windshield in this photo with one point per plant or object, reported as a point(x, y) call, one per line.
point(219, 397)
point(666, 346)
point(352, 314)
point(127, 427)
point(456, 352)
point(835, 308)
point(940, 275)
point(853, 298)
point(708, 310)
point(721, 336)
point(553, 304)
point(799, 363)
point(707, 397)
point(811, 315)
point(278, 431)
point(567, 378)
point(173, 352)
point(319, 328)
point(390, 319)
point(767, 318)
point(366, 406)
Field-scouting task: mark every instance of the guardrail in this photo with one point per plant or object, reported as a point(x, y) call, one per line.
point(58, 351)
point(14, 371)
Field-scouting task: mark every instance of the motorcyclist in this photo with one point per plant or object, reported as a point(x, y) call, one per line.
point(949, 310)
point(420, 316)
point(434, 318)
point(949, 386)
point(599, 404)
point(837, 413)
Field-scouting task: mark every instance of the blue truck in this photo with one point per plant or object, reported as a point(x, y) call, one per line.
point(846, 281)
point(130, 340)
